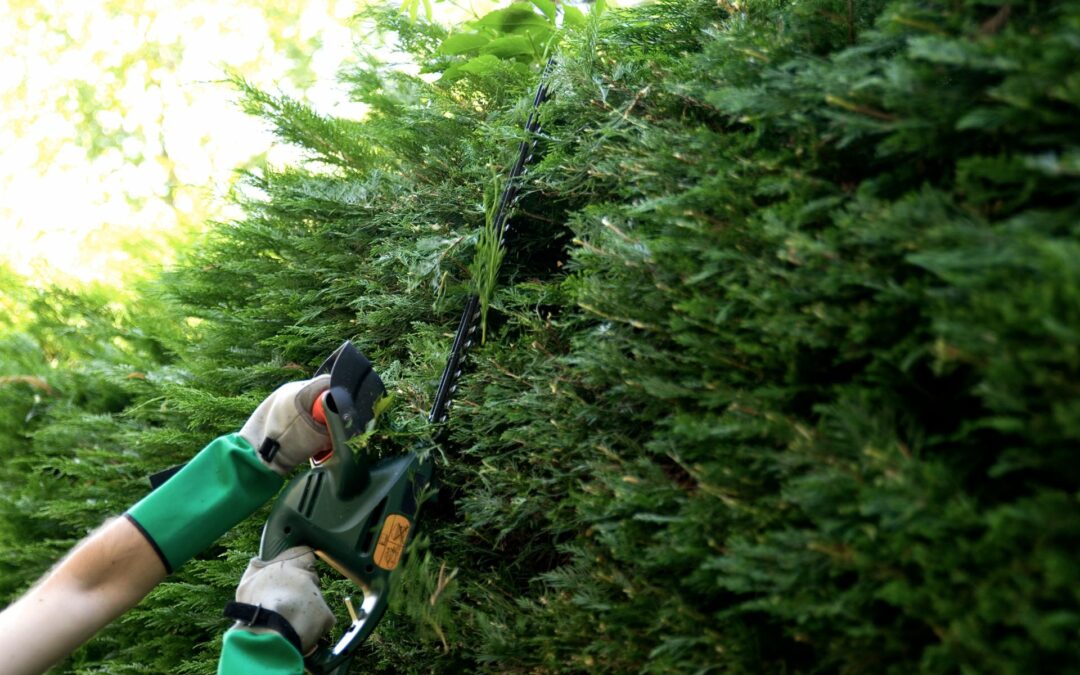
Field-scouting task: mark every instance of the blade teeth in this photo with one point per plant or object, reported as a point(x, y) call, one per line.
point(533, 129)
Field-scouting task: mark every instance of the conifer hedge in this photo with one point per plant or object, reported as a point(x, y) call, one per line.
point(781, 375)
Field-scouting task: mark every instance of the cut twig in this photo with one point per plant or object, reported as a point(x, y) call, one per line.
point(996, 22)
point(33, 381)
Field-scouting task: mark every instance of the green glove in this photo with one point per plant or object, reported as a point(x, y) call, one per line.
point(258, 654)
point(228, 480)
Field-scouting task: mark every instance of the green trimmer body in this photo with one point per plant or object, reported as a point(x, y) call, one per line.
point(356, 514)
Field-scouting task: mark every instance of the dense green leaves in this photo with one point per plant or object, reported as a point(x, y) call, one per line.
point(779, 373)
point(522, 33)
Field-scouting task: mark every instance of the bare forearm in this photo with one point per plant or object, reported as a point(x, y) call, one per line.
point(116, 566)
point(103, 577)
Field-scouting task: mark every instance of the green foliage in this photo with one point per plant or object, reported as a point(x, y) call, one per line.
point(487, 259)
point(119, 110)
point(518, 35)
point(78, 378)
point(780, 369)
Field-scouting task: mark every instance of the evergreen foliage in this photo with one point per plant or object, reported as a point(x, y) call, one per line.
point(779, 377)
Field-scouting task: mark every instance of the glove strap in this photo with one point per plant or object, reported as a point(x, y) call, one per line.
point(260, 617)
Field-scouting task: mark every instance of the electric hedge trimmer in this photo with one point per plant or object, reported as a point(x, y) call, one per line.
point(359, 514)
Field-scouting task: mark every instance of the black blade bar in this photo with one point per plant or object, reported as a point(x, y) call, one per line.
point(467, 325)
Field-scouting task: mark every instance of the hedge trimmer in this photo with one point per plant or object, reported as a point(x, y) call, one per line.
point(358, 514)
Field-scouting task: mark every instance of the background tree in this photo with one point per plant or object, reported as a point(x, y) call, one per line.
point(120, 130)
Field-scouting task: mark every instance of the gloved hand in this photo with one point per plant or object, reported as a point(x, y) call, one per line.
point(282, 430)
point(289, 586)
point(229, 478)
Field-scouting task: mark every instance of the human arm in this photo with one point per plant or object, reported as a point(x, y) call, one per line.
point(120, 563)
point(103, 577)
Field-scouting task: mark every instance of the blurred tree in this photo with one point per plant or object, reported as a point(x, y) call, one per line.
point(121, 136)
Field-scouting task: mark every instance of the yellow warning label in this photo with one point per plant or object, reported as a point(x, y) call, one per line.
point(395, 532)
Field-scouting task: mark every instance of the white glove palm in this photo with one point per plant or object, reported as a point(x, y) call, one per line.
point(289, 586)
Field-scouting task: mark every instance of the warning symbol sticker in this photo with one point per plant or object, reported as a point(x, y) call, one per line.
point(395, 532)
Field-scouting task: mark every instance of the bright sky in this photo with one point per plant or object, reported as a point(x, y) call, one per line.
point(117, 131)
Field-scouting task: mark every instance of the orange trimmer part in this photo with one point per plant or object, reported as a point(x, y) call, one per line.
point(317, 410)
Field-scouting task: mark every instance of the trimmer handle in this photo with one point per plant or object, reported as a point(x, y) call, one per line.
point(346, 408)
point(356, 514)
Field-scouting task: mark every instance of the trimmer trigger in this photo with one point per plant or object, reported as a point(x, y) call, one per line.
point(318, 408)
point(318, 413)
